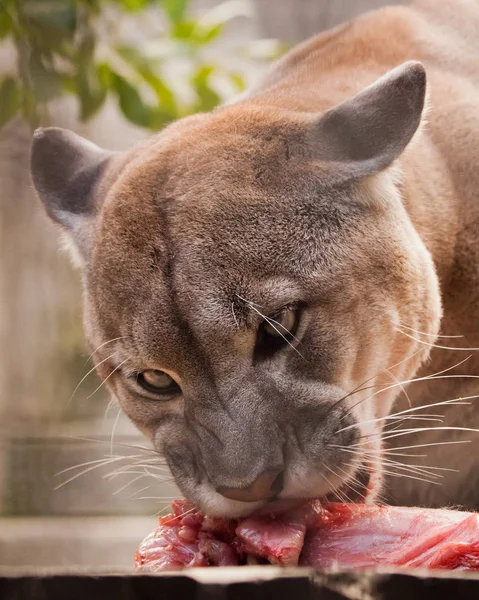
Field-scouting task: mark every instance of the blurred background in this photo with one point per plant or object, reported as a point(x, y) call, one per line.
point(74, 488)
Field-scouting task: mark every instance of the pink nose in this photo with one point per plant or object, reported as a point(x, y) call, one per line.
point(265, 486)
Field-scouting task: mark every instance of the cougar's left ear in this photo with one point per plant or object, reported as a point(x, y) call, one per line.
point(367, 133)
point(67, 171)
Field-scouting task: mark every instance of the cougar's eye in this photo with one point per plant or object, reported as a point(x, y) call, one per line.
point(157, 382)
point(275, 332)
point(281, 324)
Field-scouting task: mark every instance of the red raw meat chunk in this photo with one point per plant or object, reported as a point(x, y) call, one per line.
point(218, 553)
point(187, 539)
point(356, 536)
point(344, 536)
point(278, 537)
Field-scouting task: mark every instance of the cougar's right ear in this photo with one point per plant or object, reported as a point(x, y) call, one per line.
point(66, 172)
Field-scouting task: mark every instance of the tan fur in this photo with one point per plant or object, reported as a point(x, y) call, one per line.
point(223, 207)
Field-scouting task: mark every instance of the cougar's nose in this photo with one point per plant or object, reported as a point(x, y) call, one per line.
point(267, 485)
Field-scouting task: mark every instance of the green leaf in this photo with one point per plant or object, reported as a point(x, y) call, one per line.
point(90, 84)
point(30, 108)
point(165, 96)
point(93, 5)
point(205, 35)
point(50, 26)
point(54, 14)
point(46, 82)
point(86, 49)
point(142, 66)
point(104, 75)
point(6, 25)
point(207, 98)
point(91, 91)
point(238, 80)
point(175, 9)
point(134, 5)
point(9, 100)
point(131, 103)
point(135, 109)
point(69, 84)
point(184, 30)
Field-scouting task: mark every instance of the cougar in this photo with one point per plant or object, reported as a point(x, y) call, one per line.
point(273, 290)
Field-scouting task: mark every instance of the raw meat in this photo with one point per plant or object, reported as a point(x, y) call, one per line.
point(354, 536)
point(344, 536)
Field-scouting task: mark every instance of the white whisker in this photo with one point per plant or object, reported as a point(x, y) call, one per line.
point(85, 376)
point(153, 463)
point(105, 460)
point(415, 380)
point(336, 490)
point(422, 468)
point(97, 441)
point(417, 469)
point(187, 512)
point(460, 400)
point(425, 445)
point(114, 474)
point(131, 482)
point(427, 334)
point(115, 423)
point(459, 349)
point(97, 465)
point(107, 378)
point(425, 378)
point(403, 389)
point(113, 401)
point(403, 432)
point(376, 452)
point(408, 476)
point(250, 302)
point(139, 464)
point(163, 498)
point(352, 484)
point(102, 345)
point(426, 467)
point(147, 487)
point(270, 321)
point(360, 388)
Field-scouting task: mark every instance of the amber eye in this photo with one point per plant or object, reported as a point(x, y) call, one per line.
point(282, 324)
point(157, 382)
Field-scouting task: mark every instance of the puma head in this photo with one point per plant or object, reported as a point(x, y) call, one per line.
point(244, 272)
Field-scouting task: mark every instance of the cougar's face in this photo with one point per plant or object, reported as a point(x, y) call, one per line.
point(258, 321)
point(245, 302)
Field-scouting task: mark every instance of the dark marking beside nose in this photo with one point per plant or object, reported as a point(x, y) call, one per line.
point(265, 487)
